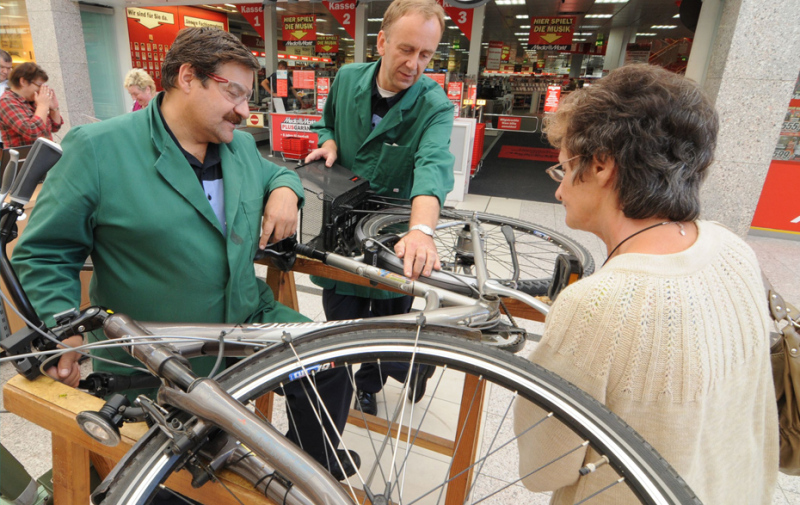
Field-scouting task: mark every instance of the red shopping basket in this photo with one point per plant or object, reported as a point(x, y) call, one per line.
point(295, 148)
point(477, 147)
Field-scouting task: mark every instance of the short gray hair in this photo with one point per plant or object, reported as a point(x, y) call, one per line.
point(658, 127)
point(429, 9)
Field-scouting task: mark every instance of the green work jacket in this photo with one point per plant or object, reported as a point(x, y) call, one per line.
point(406, 155)
point(124, 194)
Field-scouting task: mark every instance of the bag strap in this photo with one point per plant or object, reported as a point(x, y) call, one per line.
point(780, 310)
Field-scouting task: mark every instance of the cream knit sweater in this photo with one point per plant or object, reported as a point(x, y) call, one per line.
point(677, 346)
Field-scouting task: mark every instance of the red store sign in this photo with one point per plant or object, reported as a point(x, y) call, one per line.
point(292, 125)
point(552, 98)
point(323, 87)
point(509, 123)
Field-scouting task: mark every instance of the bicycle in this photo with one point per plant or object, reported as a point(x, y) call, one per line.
point(205, 425)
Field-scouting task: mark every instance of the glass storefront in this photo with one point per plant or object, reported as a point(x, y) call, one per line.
point(15, 31)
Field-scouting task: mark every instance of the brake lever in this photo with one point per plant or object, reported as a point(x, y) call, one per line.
point(281, 254)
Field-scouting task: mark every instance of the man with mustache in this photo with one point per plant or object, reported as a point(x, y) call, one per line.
point(391, 126)
point(168, 203)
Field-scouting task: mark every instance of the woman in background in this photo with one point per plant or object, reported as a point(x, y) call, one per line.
point(141, 88)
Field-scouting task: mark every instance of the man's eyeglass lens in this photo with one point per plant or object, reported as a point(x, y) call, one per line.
point(233, 91)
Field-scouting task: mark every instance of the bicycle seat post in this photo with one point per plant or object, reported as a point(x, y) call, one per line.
point(481, 273)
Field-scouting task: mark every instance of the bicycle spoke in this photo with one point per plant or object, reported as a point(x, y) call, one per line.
point(329, 419)
point(378, 466)
point(491, 444)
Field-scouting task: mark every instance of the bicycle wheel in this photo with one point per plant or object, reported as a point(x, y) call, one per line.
point(537, 249)
point(418, 465)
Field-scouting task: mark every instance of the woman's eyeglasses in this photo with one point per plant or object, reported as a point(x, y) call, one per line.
point(233, 91)
point(557, 172)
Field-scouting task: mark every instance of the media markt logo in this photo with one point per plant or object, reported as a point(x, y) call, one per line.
point(300, 124)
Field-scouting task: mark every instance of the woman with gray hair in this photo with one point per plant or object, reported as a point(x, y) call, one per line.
point(672, 332)
point(141, 87)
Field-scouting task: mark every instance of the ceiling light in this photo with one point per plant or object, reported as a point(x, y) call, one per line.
point(676, 16)
point(525, 26)
point(646, 34)
point(522, 16)
point(611, 1)
point(453, 27)
point(600, 16)
point(521, 33)
point(663, 27)
point(372, 35)
point(582, 34)
point(321, 19)
point(375, 20)
point(592, 27)
point(230, 5)
point(579, 40)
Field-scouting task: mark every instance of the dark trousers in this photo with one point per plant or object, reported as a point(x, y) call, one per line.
point(303, 406)
point(334, 386)
point(369, 377)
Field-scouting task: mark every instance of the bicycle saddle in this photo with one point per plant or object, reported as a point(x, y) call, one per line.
point(281, 254)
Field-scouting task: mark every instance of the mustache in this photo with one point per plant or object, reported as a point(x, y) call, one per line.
point(233, 118)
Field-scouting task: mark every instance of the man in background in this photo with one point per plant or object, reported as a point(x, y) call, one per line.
point(270, 85)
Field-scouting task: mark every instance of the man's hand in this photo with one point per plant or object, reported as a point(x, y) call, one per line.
point(418, 253)
point(327, 151)
point(280, 216)
point(67, 370)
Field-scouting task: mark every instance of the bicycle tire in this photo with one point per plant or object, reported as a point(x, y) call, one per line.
point(642, 468)
point(537, 249)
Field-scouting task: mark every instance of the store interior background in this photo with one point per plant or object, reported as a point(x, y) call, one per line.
point(745, 53)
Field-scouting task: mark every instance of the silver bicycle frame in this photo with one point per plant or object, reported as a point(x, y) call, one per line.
point(204, 399)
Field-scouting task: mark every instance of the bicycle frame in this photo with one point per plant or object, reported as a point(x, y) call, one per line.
point(204, 399)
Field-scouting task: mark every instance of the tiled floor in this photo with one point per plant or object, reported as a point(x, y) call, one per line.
point(31, 445)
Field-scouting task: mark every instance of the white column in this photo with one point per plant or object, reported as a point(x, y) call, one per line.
point(124, 61)
point(474, 61)
point(360, 51)
point(60, 50)
point(751, 85)
point(615, 52)
point(703, 43)
point(575, 65)
point(270, 38)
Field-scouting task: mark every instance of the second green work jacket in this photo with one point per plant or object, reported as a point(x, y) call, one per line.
point(406, 155)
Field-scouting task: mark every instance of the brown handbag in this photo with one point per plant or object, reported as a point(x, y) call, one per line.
point(785, 355)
